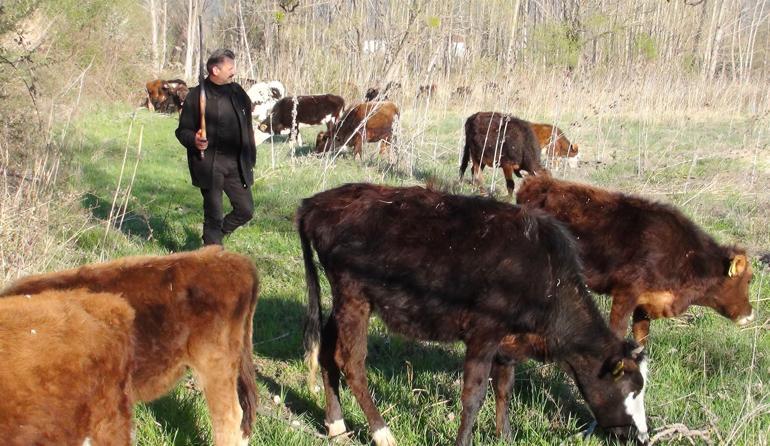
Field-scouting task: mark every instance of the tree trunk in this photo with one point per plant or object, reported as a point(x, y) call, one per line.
point(246, 49)
point(153, 6)
point(192, 7)
point(163, 35)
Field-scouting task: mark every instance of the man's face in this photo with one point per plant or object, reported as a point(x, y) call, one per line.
point(223, 73)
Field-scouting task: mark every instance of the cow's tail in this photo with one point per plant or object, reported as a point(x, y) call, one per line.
point(247, 377)
point(466, 149)
point(312, 329)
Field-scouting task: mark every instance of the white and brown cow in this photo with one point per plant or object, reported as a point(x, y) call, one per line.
point(291, 111)
point(193, 310)
point(361, 123)
point(65, 369)
point(263, 97)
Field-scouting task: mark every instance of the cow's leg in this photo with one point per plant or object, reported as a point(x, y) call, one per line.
point(641, 326)
point(352, 322)
point(476, 172)
point(216, 369)
point(478, 362)
point(331, 378)
point(623, 305)
point(502, 382)
point(508, 173)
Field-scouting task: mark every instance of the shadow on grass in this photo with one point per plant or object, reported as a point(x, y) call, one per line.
point(178, 414)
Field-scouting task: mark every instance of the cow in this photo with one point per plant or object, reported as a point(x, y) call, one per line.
point(291, 111)
point(365, 122)
point(554, 144)
point(193, 309)
point(66, 373)
point(382, 94)
point(648, 256)
point(427, 90)
point(263, 97)
point(166, 96)
point(462, 92)
point(500, 140)
point(452, 268)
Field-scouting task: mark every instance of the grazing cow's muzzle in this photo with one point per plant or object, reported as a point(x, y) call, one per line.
point(574, 161)
point(745, 320)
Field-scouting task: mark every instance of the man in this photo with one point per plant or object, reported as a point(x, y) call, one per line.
point(224, 161)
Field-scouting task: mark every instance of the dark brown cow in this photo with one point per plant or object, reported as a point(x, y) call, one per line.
point(65, 377)
point(496, 139)
point(366, 122)
point(382, 94)
point(652, 259)
point(177, 93)
point(555, 144)
point(291, 111)
point(193, 309)
point(462, 92)
point(454, 268)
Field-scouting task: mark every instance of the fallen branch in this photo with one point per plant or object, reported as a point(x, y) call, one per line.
point(680, 431)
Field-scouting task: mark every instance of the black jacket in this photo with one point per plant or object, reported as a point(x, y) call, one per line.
point(189, 122)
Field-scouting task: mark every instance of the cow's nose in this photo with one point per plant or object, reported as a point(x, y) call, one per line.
point(746, 319)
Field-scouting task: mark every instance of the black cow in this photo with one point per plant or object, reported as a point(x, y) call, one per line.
point(447, 268)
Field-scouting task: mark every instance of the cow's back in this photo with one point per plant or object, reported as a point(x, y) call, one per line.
point(378, 119)
point(498, 134)
point(66, 372)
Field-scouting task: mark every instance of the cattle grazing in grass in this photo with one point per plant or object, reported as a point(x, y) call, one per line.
point(427, 90)
point(289, 112)
point(263, 97)
point(462, 91)
point(382, 94)
point(65, 377)
point(652, 259)
point(500, 140)
point(193, 309)
point(554, 143)
point(455, 268)
point(365, 122)
point(157, 94)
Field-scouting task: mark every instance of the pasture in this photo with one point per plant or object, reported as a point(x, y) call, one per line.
point(709, 380)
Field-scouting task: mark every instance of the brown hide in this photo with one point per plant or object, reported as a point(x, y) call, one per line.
point(652, 259)
point(365, 122)
point(193, 309)
point(66, 362)
point(561, 147)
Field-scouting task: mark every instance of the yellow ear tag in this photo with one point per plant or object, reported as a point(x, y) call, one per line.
point(617, 372)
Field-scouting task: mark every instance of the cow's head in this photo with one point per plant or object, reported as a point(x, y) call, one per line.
point(322, 142)
point(731, 296)
point(614, 389)
point(269, 126)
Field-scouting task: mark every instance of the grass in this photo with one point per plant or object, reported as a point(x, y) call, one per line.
point(706, 374)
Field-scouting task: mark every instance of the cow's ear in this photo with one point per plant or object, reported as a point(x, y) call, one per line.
point(737, 265)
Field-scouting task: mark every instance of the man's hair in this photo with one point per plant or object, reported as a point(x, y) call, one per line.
point(217, 57)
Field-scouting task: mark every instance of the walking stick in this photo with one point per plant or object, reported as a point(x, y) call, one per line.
point(201, 74)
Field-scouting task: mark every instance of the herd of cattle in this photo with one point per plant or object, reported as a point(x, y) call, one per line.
point(511, 282)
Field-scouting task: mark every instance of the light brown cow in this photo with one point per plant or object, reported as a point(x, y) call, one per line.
point(193, 309)
point(365, 122)
point(65, 377)
point(554, 144)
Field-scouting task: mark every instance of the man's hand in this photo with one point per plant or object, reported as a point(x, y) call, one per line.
point(200, 142)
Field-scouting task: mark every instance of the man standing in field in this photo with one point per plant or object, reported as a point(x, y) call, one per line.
point(224, 160)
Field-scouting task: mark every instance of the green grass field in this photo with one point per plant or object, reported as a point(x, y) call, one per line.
point(709, 380)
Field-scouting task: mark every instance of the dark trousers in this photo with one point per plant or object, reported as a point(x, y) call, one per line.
point(227, 179)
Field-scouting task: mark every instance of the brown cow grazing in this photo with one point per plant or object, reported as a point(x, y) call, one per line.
point(555, 144)
point(365, 122)
point(177, 93)
point(456, 268)
point(291, 111)
point(652, 259)
point(193, 309)
point(427, 90)
point(462, 92)
point(496, 139)
point(65, 377)
point(166, 96)
point(157, 94)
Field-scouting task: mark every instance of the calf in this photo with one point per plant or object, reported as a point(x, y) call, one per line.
point(291, 111)
point(496, 139)
point(652, 260)
point(366, 122)
point(193, 309)
point(65, 377)
point(453, 268)
point(555, 144)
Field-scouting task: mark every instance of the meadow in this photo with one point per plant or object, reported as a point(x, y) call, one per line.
point(709, 380)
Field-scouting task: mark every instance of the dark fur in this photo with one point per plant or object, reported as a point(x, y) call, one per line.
point(496, 139)
point(631, 246)
point(447, 268)
point(311, 110)
point(193, 309)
